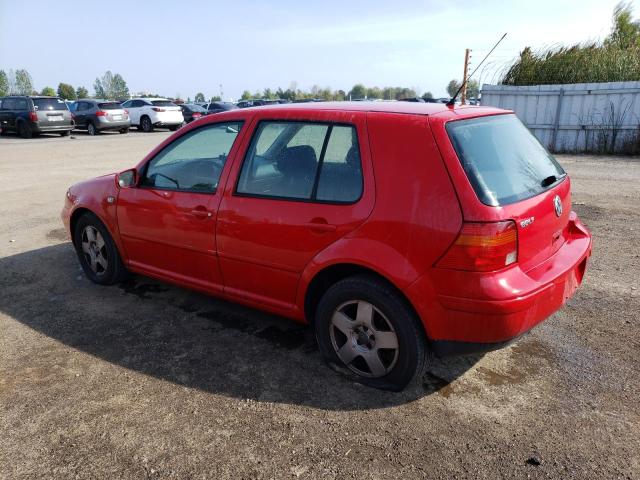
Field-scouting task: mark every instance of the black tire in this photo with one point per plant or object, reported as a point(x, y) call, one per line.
point(91, 129)
point(139, 127)
point(24, 130)
point(115, 270)
point(145, 123)
point(65, 133)
point(404, 364)
point(124, 130)
point(173, 128)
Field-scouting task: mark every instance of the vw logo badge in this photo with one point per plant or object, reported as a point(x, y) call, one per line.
point(557, 204)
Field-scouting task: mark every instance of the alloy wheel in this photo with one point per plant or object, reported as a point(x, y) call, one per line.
point(94, 250)
point(364, 339)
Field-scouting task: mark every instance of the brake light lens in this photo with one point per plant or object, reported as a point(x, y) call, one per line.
point(101, 113)
point(33, 116)
point(156, 109)
point(196, 115)
point(483, 247)
point(126, 112)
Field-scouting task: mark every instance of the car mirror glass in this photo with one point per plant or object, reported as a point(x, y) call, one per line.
point(127, 179)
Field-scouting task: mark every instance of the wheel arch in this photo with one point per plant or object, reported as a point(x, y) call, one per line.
point(330, 274)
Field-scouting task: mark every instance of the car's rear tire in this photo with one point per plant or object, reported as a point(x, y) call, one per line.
point(24, 130)
point(65, 133)
point(91, 129)
point(97, 252)
point(364, 325)
point(145, 123)
point(124, 130)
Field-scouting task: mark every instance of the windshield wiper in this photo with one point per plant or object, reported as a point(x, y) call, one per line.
point(551, 179)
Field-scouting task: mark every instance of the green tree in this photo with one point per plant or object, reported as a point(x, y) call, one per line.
point(452, 87)
point(120, 90)
point(199, 97)
point(4, 84)
point(82, 92)
point(473, 89)
point(625, 32)
point(215, 98)
point(427, 95)
point(374, 92)
point(246, 95)
point(358, 92)
point(48, 92)
point(66, 91)
point(23, 82)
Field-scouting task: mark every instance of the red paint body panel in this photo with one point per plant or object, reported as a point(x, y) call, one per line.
point(266, 252)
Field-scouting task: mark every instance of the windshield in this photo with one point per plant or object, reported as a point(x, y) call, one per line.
point(49, 104)
point(163, 103)
point(195, 108)
point(504, 162)
point(110, 106)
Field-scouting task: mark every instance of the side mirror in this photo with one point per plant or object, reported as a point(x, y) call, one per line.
point(128, 178)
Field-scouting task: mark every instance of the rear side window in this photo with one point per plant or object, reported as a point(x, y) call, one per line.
point(49, 104)
point(303, 161)
point(110, 106)
point(504, 162)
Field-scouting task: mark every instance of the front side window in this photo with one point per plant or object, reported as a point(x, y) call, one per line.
point(194, 161)
point(303, 161)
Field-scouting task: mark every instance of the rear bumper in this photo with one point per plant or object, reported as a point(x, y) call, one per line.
point(113, 125)
point(52, 128)
point(467, 312)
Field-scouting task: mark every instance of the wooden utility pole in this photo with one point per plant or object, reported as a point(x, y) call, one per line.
point(463, 97)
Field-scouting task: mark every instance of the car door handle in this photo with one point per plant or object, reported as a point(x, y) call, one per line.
point(320, 225)
point(200, 212)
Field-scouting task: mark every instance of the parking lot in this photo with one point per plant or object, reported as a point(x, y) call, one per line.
point(146, 380)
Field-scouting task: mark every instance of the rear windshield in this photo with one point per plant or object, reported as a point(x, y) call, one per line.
point(49, 104)
point(504, 162)
point(163, 103)
point(110, 106)
point(195, 108)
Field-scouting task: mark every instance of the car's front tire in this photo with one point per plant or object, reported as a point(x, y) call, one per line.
point(65, 133)
point(366, 326)
point(146, 125)
point(124, 130)
point(97, 252)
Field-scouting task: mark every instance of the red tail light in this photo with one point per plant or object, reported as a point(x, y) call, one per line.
point(156, 109)
point(126, 112)
point(101, 113)
point(196, 115)
point(33, 116)
point(483, 247)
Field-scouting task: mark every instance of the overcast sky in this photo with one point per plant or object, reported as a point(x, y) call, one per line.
point(183, 47)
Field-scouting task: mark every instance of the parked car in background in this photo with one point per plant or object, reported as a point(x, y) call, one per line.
point(32, 115)
point(217, 107)
point(95, 116)
point(149, 113)
point(191, 112)
point(342, 216)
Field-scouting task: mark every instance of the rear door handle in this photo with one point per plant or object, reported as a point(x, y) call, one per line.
point(320, 225)
point(200, 212)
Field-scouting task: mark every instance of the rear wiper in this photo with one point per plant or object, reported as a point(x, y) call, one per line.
point(551, 179)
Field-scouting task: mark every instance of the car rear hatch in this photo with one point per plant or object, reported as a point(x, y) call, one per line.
point(113, 111)
point(167, 111)
point(515, 180)
point(52, 112)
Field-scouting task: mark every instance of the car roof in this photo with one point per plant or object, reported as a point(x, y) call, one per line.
point(414, 108)
point(149, 99)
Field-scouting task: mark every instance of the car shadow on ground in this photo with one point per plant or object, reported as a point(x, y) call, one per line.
point(187, 338)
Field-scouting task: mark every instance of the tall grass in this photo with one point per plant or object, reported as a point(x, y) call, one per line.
point(583, 63)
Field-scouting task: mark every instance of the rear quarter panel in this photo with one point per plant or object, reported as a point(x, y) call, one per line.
point(416, 214)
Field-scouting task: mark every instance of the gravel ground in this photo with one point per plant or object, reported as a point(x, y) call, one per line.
point(145, 380)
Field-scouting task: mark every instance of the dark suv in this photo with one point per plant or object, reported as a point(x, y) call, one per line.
point(30, 116)
point(94, 116)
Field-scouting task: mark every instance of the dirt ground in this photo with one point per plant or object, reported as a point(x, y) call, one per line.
point(145, 380)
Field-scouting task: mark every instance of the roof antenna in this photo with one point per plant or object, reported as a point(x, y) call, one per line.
point(452, 102)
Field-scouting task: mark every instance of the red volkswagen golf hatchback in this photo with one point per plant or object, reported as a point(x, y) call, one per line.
point(395, 229)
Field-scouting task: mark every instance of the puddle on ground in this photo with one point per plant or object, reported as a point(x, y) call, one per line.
point(59, 234)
